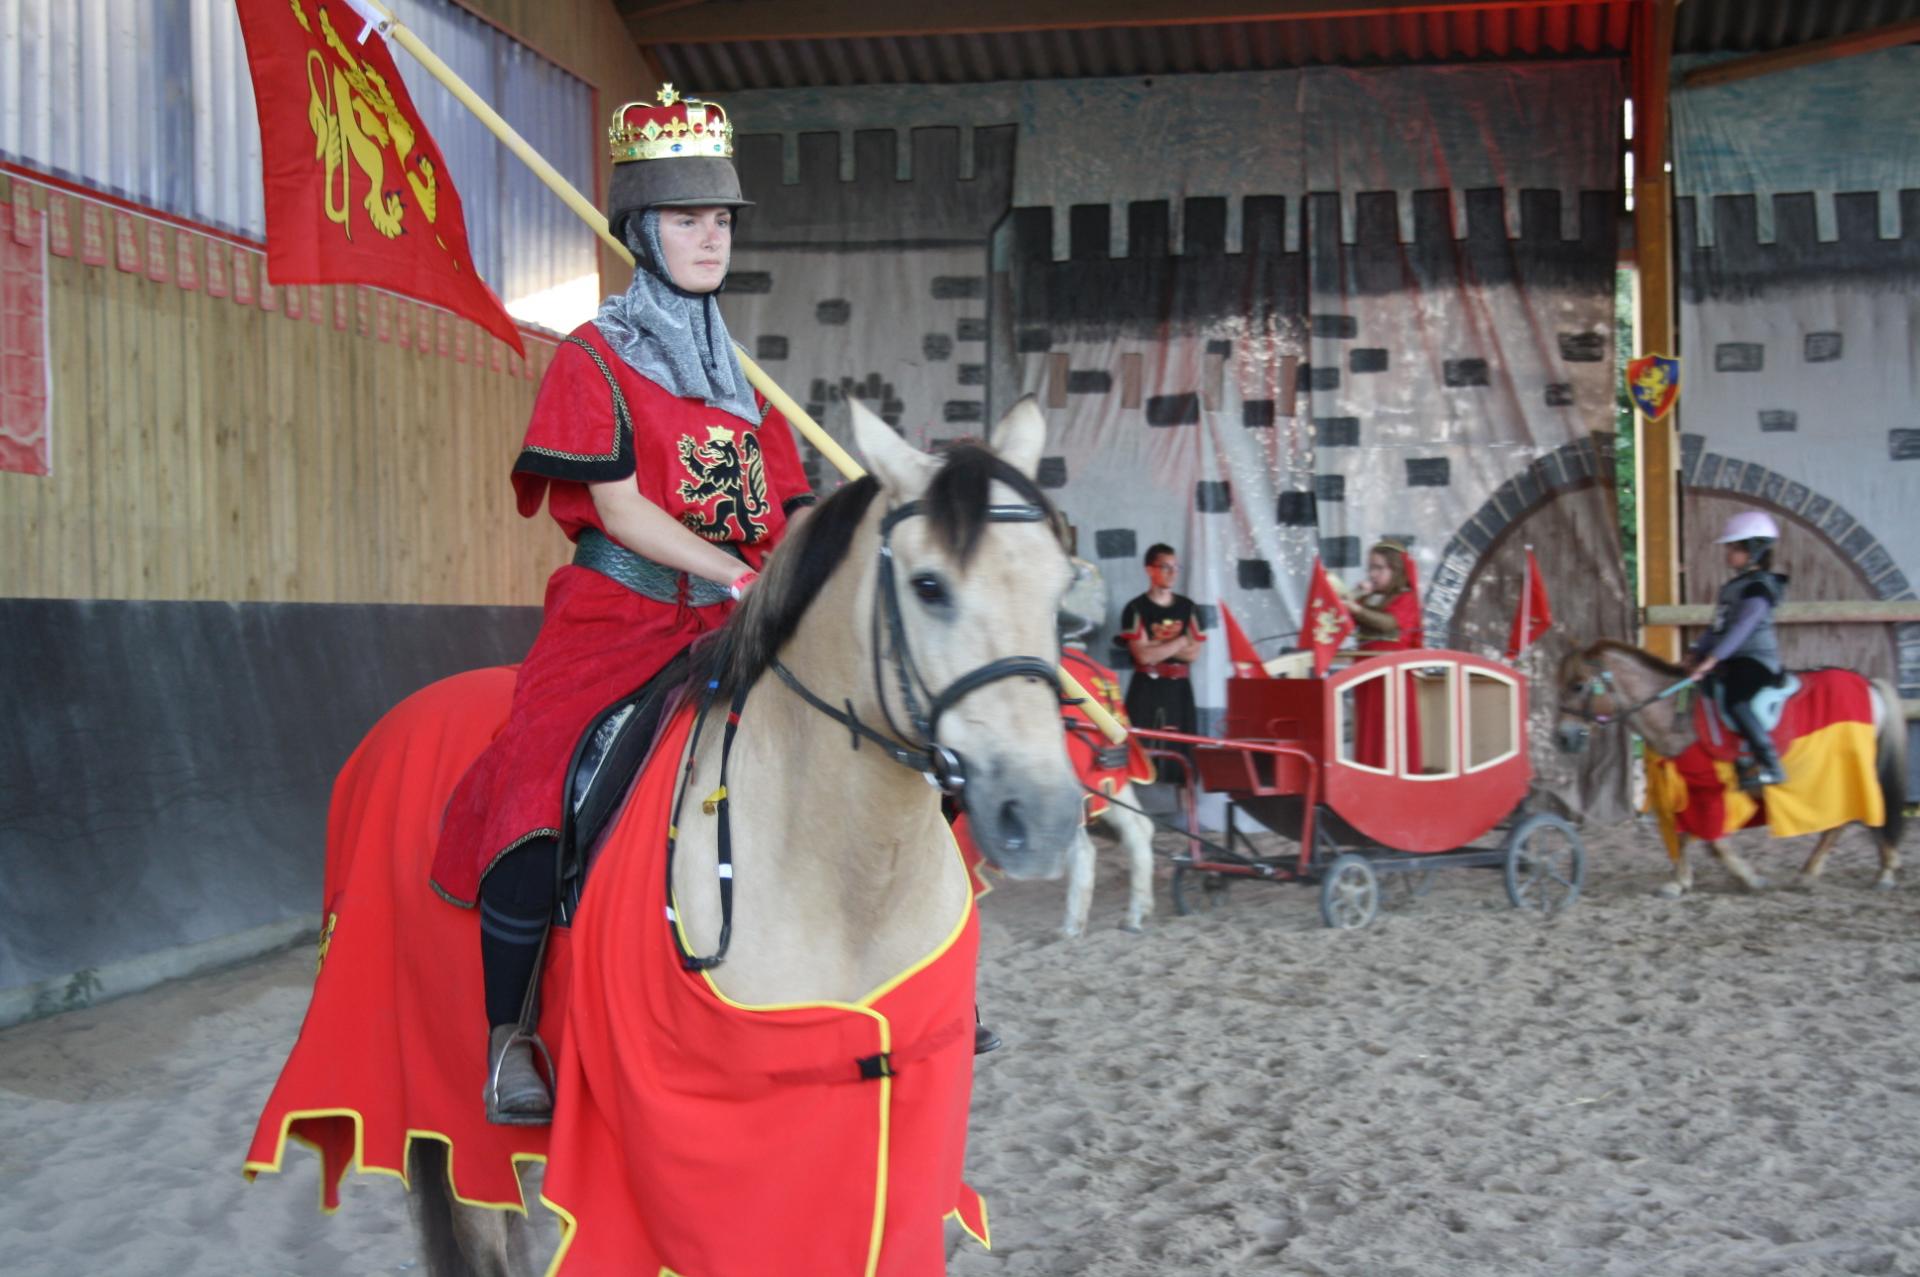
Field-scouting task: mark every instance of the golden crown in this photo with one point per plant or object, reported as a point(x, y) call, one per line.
point(676, 128)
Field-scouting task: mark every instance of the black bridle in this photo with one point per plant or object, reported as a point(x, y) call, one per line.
point(919, 750)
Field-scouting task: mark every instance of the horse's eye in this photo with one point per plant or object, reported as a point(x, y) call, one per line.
point(930, 589)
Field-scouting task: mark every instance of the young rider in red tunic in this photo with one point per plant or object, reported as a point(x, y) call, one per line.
point(674, 481)
point(1386, 619)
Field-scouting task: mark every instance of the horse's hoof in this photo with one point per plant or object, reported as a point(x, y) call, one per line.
point(1133, 928)
point(1670, 891)
point(1883, 884)
point(1803, 882)
point(1756, 883)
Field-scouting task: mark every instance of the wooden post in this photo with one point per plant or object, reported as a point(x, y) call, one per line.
point(1656, 452)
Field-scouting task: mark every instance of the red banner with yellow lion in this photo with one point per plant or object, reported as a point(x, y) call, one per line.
point(356, 190)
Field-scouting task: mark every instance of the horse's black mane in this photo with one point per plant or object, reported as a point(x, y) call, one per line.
point(1604, 646)
point(956, 503)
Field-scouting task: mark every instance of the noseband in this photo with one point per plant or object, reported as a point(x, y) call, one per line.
point(944, 768)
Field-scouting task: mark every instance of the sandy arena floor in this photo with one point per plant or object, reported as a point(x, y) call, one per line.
point(1719, 1086)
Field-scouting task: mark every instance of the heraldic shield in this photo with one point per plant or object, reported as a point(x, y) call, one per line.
point(1654, 383)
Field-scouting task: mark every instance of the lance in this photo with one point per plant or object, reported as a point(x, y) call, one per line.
point(380, 18)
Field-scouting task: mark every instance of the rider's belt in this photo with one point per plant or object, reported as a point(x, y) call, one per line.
point(599, 553)
point(1166, 669)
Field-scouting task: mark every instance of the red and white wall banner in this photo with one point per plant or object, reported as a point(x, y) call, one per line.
point(40, 222)
point(26, 425)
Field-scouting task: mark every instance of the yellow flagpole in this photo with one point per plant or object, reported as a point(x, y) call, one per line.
point(811, 430)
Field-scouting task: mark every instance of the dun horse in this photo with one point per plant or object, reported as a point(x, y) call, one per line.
point(1614, 683)
point(904, 635)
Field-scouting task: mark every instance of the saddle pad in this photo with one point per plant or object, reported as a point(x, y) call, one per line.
point(1827, 747)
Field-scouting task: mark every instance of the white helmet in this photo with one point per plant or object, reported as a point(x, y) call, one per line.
point(1749, 525)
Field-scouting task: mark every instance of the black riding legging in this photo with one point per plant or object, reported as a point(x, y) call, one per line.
point(1741, 678)
point(516, 906)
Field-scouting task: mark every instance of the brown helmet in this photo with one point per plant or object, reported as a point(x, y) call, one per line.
point(678, 153)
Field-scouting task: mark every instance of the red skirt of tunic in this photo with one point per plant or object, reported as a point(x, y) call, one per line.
point(598, 642)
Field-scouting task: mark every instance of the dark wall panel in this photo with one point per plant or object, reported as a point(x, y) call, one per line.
point(165, 770)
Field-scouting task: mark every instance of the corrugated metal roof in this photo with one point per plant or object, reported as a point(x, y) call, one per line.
point(1585, 29)
point(1753, 26)
point(1582, 30)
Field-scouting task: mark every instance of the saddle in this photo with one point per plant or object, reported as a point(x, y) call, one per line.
point(612, 751)
point(1769, 707)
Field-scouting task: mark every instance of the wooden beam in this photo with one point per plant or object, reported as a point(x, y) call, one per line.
point(1656, 452)
point(638, 10)
point(1815, 612)
point(857, 19)
point(1801, 55)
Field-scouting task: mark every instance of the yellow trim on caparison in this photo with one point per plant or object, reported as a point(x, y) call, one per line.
point(357, 1164)
point(985, 1235)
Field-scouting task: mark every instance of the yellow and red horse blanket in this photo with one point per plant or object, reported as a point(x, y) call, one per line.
point(1827, 745)
point(693, 1137)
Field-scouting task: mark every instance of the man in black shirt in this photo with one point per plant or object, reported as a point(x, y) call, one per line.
point(1162, 632)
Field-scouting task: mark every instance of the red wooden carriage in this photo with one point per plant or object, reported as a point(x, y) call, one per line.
point(1399, 764)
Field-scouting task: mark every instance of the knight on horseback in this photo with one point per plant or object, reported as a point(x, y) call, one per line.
point(1739, 656)
point(674, 480)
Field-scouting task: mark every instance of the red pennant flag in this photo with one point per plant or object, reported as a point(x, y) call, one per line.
point(1328, 621)
point(1246, 661)
point(1534, 615)
point(356, 190)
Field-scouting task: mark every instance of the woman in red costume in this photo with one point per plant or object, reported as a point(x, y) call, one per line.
point(1386, 619)
point(674, 480)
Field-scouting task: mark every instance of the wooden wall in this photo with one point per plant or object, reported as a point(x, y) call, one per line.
point(209, 450)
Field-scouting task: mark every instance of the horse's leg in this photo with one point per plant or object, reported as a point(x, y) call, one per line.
point(1079, 884)
point(1817, 862)
point(1682, 881)
point(1136, 835)
point(458, 1240)
point(430, 1202)
point(1889, 860)
point(1730, 861)
point(496, 1243)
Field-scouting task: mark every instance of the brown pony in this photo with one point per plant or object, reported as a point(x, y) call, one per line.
point(1615, 683)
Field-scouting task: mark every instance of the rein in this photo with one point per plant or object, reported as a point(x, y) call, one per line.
point(1604, 683)
point(942, 767)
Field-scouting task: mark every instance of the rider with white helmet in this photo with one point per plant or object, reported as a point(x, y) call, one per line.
point(1742, 650)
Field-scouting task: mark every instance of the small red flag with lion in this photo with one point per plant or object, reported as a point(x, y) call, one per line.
point(356, 190)
point(1328, 621)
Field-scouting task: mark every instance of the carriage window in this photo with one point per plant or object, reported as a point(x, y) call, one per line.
point(1427, 693)
point(1364, 740)
point(1492, 720)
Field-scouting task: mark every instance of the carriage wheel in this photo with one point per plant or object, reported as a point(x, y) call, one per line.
point(1546, 863)
point(1349, 893)
point(1195, 889)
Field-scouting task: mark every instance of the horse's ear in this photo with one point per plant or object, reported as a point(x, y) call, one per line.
point(901, 468)
point(1021, 437)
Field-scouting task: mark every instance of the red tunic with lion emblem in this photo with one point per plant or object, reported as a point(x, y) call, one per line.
point(728, 480)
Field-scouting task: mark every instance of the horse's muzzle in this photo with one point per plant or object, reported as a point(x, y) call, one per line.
point(1024, 828)
point(1572, 737)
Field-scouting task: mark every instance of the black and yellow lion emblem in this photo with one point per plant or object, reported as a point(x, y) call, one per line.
point(726, 487)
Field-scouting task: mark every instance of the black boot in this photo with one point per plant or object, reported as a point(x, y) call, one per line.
point(985, 1040)
point(1766, 769)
